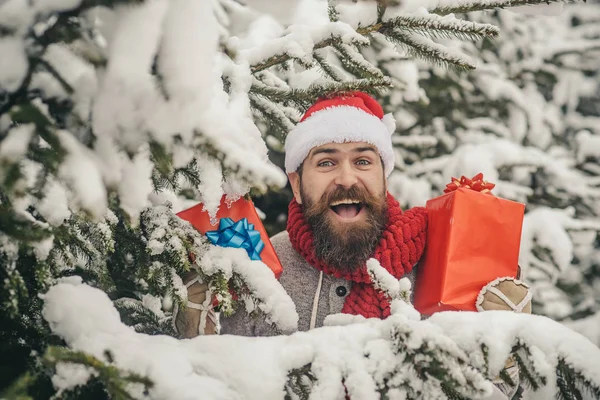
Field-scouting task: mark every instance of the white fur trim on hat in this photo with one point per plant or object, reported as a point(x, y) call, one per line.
point(340, 124)
point(389, 122)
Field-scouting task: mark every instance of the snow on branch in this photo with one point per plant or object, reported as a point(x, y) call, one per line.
point(450, 354)
point(445, 27)
point(430, 51)
point(74, 368)
point(303, 98)
point(299, 44)
point(252, 278)
point(547, 345)
point(354, 62)
point(443, 7)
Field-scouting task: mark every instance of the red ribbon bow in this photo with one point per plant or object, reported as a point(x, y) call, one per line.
point(476, 183)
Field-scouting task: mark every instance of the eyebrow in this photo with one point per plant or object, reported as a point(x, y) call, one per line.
point(327, 150)
point(363, 149)
point(324, 150)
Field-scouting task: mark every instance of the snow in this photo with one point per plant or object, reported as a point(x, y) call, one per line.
point(43, 248)
point(446, 53)
point(358, 14)
point(588, 327)
point(14, 146)
point(548, 340)
point(69, 376)
point(547, 226)
point(228, 366)
point(13, 63)
point(154, 304)
point(80, 170)
point(588, 145)
point(273, 300)
point(385, 281)
point(179, 288)
point(189, 25)
point(136, 184)
point(129, 109)
point(409, 192)
point(539, 9)
point(127, 105)
point(79, 74)
point(299, 42)
point(211, 176)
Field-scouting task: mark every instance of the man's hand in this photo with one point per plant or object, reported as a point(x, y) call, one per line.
point(187, 320)
point(505, 294)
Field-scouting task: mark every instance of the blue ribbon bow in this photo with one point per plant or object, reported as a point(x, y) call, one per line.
point(239, 234)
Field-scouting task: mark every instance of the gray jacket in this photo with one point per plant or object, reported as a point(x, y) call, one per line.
point(300, 280)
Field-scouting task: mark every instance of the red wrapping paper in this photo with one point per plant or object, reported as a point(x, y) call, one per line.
point(472, 239)
point(242, 208)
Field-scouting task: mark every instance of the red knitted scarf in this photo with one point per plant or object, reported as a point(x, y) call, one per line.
point(400, 247)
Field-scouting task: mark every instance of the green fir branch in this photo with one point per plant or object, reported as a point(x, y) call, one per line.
point(466, 6)
point(355, 63)
point(431, 26)
point(28, 113)
point(272, 114)
point(19, 388)
point(485, 351)
point(330, 70)
point(142, 319)
point(430, 52)
point(284, 57)
point(332, 12)
point(572, 384)
point(114, 379)
point(436, 27)
point(506, 377)
point(19, 228)
point(525, 373)
point(208, 147)
point(303, 98)
point(65, 85)
point(299, 383)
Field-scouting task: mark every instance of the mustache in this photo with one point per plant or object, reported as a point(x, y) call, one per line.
point(341, 193)
point(371, 202)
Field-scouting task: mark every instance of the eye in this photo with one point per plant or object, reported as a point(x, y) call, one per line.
point(326, 163)
point(363, 162)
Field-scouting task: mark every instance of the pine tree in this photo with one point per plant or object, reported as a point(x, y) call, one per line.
point(108, 128)
point(527, 118)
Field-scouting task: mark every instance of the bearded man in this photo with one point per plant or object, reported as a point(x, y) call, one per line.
point(338, 158)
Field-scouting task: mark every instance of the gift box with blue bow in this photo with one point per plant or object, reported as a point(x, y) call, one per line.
point(237, 225)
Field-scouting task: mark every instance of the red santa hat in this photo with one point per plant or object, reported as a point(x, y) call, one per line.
point(347, 117)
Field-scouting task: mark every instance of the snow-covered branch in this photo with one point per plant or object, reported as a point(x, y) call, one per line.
point(457, 353)
point(444, 7)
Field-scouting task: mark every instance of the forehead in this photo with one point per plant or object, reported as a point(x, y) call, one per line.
point(342, 147)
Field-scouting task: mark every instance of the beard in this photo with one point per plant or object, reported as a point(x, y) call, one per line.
point(345, 246)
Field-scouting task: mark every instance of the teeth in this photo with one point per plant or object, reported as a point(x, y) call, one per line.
point(346, 201)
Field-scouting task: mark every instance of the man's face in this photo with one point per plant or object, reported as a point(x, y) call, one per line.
point(342, 189)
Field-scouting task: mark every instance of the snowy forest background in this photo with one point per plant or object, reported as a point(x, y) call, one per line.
point(110, 123)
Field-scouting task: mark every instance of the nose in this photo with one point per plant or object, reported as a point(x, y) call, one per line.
point(346, 176)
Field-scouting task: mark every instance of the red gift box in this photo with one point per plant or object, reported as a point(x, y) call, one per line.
point(237, 211)
point(472, 239)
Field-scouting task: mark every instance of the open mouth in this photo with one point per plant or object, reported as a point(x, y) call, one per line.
point(346, 209)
